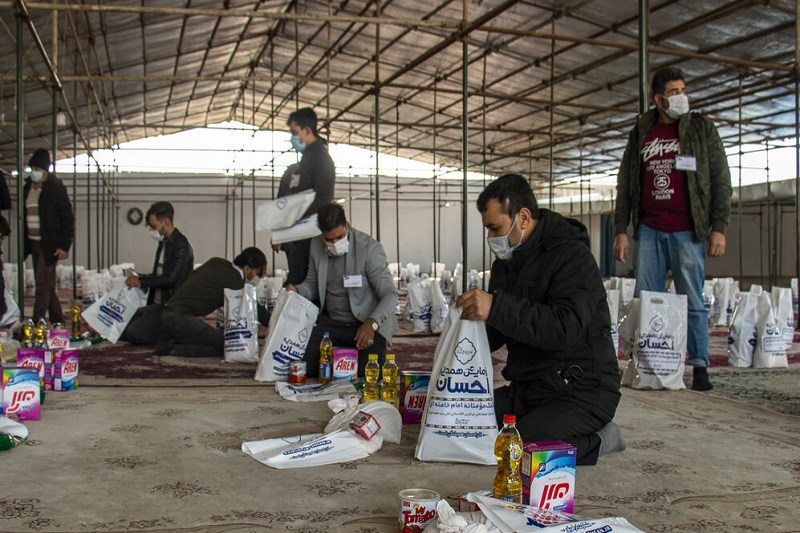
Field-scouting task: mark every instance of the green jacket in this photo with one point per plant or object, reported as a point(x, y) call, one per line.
point(709, 186)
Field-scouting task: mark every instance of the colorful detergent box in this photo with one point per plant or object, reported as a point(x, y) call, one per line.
point(21, 393)
point(65, 370)
point(58, 339)
point(414, 387)
point(548, 475)
point(33, 358)
point(345, 363)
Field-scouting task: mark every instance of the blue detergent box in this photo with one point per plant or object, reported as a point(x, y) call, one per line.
point(548, 475)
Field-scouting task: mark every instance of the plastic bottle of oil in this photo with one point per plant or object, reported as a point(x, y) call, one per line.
point(28, 335)
point(326, 359)
point(76, 321)
point(372, 391)
point(389, 380)
point(508, 451)
point(41, 333)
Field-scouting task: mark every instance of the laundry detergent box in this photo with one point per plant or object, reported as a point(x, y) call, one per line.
point(21, 393)
point(57, 339)
point(33, 358)
point(345, 363)
point(548, 475)
point(65, 370)
point(414, 388)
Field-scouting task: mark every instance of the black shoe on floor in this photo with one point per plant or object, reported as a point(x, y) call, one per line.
point(163, 348)
point(700, 381)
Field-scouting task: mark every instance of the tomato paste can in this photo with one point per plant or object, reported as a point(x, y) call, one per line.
point(297, 372)
point(417, 509)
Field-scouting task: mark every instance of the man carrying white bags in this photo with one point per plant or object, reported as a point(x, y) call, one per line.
point(547, 304)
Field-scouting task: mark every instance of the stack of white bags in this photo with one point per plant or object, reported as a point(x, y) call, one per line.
point(761, 328)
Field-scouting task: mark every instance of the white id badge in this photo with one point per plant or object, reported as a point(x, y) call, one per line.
point(295, 181)
point(352, 281)
point(686, 163)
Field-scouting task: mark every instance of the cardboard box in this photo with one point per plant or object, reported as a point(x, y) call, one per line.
point(345, 363)
point(548, 475)
point(65, 370)
point(21, 393)
point(365, 425)
point(414, 390)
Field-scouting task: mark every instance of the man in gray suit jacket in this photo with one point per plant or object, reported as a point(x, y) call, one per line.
point(348, 274)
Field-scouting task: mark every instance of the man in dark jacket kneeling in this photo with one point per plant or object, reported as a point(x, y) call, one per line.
point(547, 304)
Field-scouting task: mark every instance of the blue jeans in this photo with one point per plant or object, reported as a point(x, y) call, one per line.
point(658, 252)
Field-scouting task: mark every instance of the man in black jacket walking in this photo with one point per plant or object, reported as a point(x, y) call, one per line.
point(49, 225)
point(547, 304)
point(145, 326)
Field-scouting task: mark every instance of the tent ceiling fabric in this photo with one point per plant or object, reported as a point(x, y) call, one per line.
point(136, 69)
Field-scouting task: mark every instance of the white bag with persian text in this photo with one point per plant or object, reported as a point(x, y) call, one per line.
point(305, 228)
point(659, 354)
point(110, 315)
point(289, 329)
point(725, 290)
point(770, 351)
point(612, 298)
point(439, 307)
point(784, 316)
point(458, 422)
point(628, 324)
point(241, 325)
point(285, 211)
point(708, 299)
point(419, 297)
point(742, 333)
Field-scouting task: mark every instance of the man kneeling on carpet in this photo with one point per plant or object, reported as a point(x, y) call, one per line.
point(347, 272)
point(547, 304)
point(187, 333)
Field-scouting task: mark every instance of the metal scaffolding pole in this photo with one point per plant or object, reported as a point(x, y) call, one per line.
point(88, 212)
point(377, 123)
point(397, 186)
point(644, 33)
point(253, 189)
point(227, 220)
point(241, 218)
point(20, 171)
point(75, 209)
point(739, 203)
point(97, 214)
point(435, 206)
point(797, 138)
point(465, 153)
point(552, 89)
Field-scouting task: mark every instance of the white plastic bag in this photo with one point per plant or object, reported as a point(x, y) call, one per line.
point(628, 323)
point(658, 357)
point(708, 299)
point(742, 333)
point(289, 330)
point(419, 296)
point(439, 307)
point(241, 325)
point(387, 415)
point(770, 351)
point(794, 296)
point(283, 212)
point(725, 290)
point(448, 521)
point(784, 316)
point(612, 298)
point(313, 392)
point(305, 228)
point(11, 316)
point(307, 450)
point(110, 315)
point(458, 423)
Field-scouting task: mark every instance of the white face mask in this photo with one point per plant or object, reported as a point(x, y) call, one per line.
point(37, 176)
point(339, 247)
point(500, 246)
point(678, 105)
point(156, 235)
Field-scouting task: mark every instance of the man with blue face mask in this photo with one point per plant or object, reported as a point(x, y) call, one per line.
point(49, 226)
point(348, 273)
point(315, 171)
point(674, 185)
point(547, 304)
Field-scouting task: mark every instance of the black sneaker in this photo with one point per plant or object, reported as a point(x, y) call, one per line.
point(700, 381)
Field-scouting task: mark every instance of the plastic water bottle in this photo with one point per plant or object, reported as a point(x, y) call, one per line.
point(508, 452)
point(41, 333)
point(27, 333)
point(326, 359)
point(372, 391)
point(389, 380)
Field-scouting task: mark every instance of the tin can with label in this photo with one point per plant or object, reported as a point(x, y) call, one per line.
point(297, 372)
point(417, 509)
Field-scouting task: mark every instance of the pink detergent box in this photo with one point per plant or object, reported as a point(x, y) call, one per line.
point(33, 358)
point(21, 393)
point(414, 389)
point(548, 475)
point(65, 370)
point(345, 363)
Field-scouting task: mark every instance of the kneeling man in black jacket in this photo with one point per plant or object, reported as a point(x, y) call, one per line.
point(547, 304)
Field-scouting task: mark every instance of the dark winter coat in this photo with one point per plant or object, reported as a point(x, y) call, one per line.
point(178, 264)
point(550, 310)
point(55, 214)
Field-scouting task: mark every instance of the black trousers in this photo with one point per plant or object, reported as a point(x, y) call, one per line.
point(46, 298)
point(192, 336)
point(297, 257)
point(342, 336)
point(565, 418)
point(145, 326)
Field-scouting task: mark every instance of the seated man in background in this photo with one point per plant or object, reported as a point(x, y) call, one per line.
point(185, 331)
point(347, 272)
point(167, 277)
point(547, 304)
